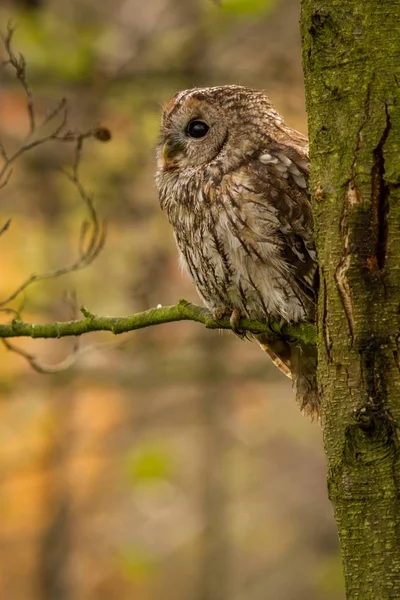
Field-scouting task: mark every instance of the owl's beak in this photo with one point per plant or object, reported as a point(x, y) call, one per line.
point(170, 151)
point(166, 151)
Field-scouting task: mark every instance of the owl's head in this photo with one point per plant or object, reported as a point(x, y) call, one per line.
point(201, 124)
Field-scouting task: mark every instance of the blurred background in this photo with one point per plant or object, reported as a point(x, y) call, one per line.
point(171, 463)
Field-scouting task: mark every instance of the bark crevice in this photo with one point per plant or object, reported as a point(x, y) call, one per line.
point(380, 196)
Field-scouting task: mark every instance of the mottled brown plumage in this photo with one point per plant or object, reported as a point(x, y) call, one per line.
point(232, 178)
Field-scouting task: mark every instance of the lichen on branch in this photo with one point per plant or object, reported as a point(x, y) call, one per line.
point(183, 311)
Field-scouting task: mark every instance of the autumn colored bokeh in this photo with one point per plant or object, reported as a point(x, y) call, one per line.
point(170, 463)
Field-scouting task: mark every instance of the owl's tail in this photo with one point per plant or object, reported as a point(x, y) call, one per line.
point(298, 361)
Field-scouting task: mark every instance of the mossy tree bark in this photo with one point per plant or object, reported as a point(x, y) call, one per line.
point(351, 59)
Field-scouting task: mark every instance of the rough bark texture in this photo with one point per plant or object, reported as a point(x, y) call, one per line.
point(351, 57)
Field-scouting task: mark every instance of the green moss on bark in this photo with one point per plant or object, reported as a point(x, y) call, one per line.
point(351, 58)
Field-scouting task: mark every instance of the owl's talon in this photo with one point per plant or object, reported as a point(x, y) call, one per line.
point(219, 313)
point(275, 326)
point(234, 320)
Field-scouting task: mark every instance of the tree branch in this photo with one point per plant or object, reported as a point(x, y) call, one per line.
point(183, 311)
point(93, 230)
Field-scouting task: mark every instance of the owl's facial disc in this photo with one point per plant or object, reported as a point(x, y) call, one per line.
point(192, 134)
point(174, 148)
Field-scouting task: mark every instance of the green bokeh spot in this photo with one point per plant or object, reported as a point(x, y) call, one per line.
point(328, 577)
point(149, 463)
point(136, 563)
point(246, 7)
point(57, 47)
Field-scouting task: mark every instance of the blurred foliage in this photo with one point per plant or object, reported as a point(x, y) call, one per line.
point(147, 464)
point(58, 48)
point(172, 463)
point(246, 7)
point(328, 577)
point(136, 564)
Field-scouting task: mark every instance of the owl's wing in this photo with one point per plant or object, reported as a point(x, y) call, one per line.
point(272, 193)
point(279, 178)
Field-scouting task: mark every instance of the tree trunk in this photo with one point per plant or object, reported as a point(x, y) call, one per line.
point(351, 59)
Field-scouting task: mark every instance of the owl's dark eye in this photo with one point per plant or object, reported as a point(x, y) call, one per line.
point(197, 129)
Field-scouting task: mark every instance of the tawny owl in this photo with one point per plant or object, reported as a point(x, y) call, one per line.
point(232, 178)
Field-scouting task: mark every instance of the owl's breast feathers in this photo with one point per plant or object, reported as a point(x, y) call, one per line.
point(246, 237)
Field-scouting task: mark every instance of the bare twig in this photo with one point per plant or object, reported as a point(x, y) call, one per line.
point(6, 179)
point(54, 136)
point(19, 65)
point(3, 152)
point(39, 367)
point(71, 301)
point(93, 232)
point(76, 351)
point(61, 107)
point(12, 311)
point(5, 227)
point(90, 244)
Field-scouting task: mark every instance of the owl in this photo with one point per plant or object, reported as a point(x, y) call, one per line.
point(233, 181)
